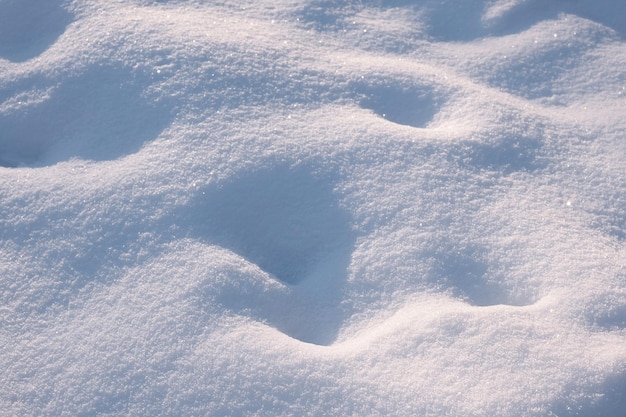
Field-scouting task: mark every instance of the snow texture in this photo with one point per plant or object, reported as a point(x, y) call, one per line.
point(313, 208)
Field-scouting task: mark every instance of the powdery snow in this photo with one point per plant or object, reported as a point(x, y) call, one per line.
point(313, 207)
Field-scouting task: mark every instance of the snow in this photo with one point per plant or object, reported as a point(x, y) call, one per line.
point(313, 207)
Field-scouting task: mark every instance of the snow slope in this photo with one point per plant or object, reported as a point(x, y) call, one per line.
point(313, 207)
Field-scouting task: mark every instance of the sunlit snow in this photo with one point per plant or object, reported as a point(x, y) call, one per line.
point(313, 208)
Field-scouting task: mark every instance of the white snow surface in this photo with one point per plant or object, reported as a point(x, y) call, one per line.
point(313, 208)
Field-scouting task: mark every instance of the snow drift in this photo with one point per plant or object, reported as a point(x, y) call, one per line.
point(312, 208)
